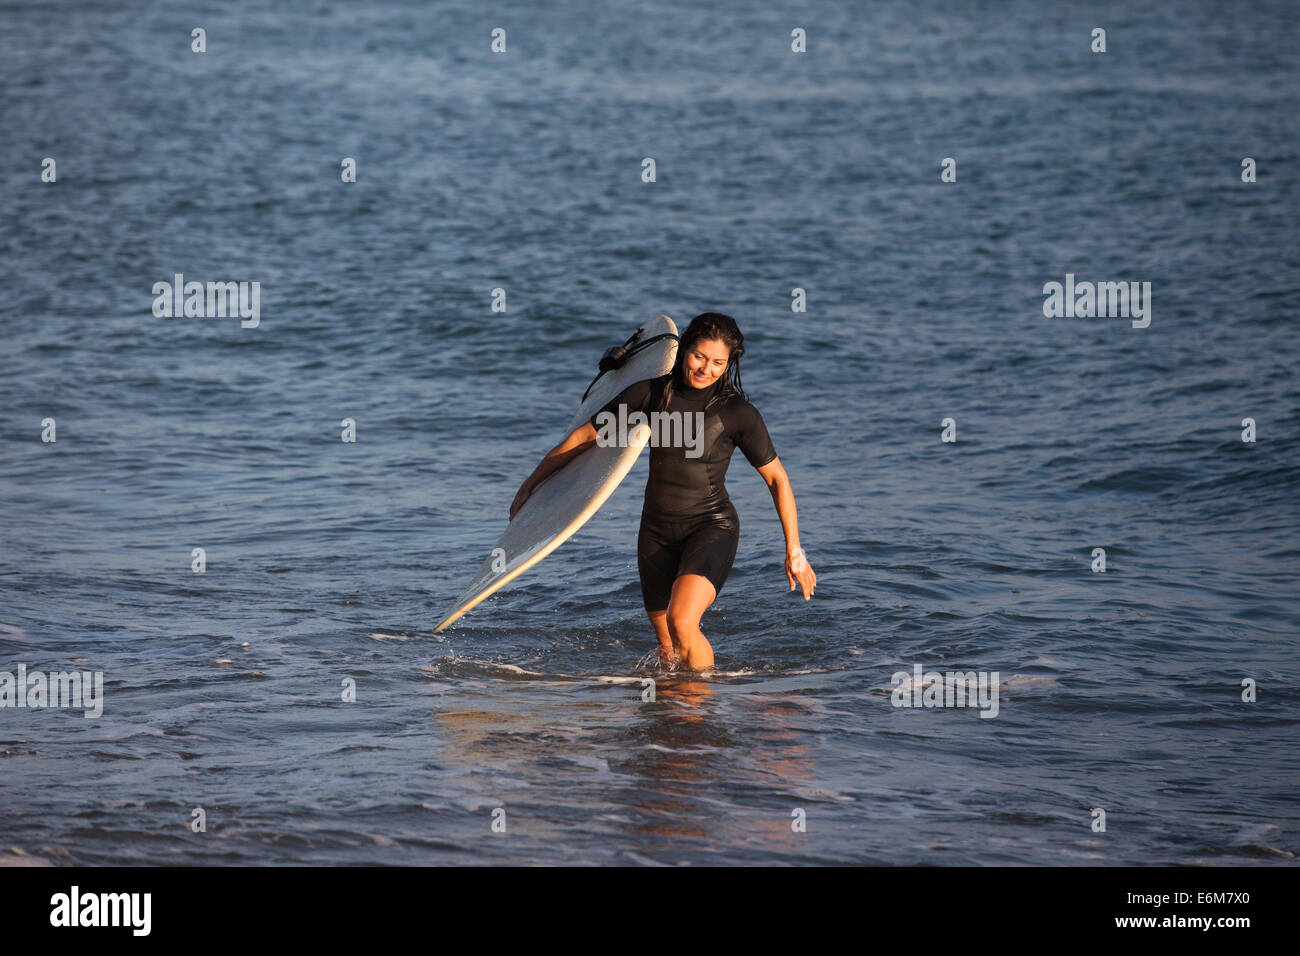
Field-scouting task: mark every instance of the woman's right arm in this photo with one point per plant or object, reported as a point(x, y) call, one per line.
point(579, 440)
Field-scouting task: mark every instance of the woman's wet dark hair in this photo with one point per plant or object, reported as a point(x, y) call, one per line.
point(710, 325)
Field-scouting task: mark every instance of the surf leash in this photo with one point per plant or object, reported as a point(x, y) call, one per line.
point(617, 355)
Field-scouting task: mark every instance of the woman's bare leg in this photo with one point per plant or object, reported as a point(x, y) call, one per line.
point(691, 597)
point(667, 652)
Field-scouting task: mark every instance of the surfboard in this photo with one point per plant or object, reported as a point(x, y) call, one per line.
point(567, 499)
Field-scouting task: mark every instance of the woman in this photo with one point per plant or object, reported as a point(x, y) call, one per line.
point(689, 527)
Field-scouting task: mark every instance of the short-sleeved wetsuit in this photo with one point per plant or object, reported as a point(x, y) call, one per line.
point(688, 523)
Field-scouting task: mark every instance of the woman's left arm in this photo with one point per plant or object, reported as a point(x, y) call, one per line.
point(796, 565)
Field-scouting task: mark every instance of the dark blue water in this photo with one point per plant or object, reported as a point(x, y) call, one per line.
point(329, 561)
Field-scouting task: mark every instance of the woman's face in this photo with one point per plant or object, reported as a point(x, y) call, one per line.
point(705, 362)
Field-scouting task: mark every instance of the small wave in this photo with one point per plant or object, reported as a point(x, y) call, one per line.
point(515, 671)
point(1029, 680)
point(13, 856)
point(468, 667)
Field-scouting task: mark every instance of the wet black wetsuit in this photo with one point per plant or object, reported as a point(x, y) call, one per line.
point(688, 523)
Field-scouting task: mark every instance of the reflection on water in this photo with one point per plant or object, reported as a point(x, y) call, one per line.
point(704, 761)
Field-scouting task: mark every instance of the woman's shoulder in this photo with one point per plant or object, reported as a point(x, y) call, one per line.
point(740, 413)
point(645, 385)
point(735, 402)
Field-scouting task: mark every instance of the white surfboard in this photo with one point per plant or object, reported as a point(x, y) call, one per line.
point(567, 499)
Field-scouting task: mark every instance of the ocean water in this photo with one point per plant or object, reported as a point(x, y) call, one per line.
point(327, 563)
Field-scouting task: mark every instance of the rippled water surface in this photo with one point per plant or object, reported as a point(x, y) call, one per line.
point(329, 561)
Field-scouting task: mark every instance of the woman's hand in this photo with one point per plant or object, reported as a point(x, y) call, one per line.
point(798, 570)
point(525, 490)
point(579, 440)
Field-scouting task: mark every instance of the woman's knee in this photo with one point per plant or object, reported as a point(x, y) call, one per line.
point(682, 622)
